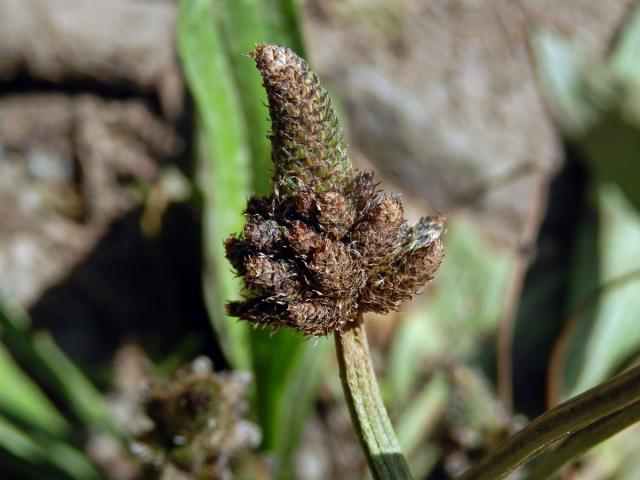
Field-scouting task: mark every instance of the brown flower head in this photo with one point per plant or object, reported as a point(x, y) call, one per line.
point(326, 245)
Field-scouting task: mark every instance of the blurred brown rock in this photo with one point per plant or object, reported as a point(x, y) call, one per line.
point(441, 97)
point(65, 166)
point(123, 43)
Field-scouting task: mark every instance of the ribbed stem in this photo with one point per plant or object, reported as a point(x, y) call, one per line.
point(583, 440)
point(368, 414)
point(566, 418)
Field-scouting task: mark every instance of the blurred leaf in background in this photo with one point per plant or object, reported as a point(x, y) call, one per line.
point(479, 272)
point(450, 327)
point(462, 309)
point(595, 102)
point(611, 338)
point(35, 438)
point(25, 402)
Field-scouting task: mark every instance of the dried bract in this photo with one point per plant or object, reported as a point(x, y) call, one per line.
point(325, 246)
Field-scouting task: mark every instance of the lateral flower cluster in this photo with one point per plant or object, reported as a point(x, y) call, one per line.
point(326, 245)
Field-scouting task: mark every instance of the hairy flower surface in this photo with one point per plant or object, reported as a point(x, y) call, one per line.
point(326, 245)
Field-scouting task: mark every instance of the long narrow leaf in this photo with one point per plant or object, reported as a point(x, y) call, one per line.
point(22, 400)
point(422, 415)
point(79, 392)
point(54, 459)
point(244, 27)
point(40, 353)
point(225, 175)
point(614, 335)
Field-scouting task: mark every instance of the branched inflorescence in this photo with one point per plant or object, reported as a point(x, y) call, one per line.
point(326, 245)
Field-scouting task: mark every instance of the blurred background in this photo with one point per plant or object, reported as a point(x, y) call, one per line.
point(132, 133)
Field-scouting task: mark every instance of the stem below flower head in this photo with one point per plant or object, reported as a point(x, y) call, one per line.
point(367, 410)
point(565, 419)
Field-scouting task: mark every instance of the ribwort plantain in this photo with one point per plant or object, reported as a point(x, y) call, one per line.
point(326, 245)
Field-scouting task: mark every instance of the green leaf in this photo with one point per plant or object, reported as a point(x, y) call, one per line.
point(286, 383)
point(613, 335)
point(244, 27)
point(561, 68)
point(22, 400)
point(80, 394)
point(40, 352)
point(245, 24)
point(53, 459)
point(611, 147)
point(282, 18)
point(406, 361)
point(625, 58)
point(422, 414)
point(597, 103)
point(225, 176)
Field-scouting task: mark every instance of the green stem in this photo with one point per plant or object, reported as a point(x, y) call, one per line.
point(583, 440)
point(566, 418)
point(368, 414)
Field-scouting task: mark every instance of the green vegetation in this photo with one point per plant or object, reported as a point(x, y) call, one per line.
point(436, 364)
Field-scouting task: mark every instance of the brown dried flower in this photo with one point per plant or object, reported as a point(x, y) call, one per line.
point(194, 424)
point(325, 246)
